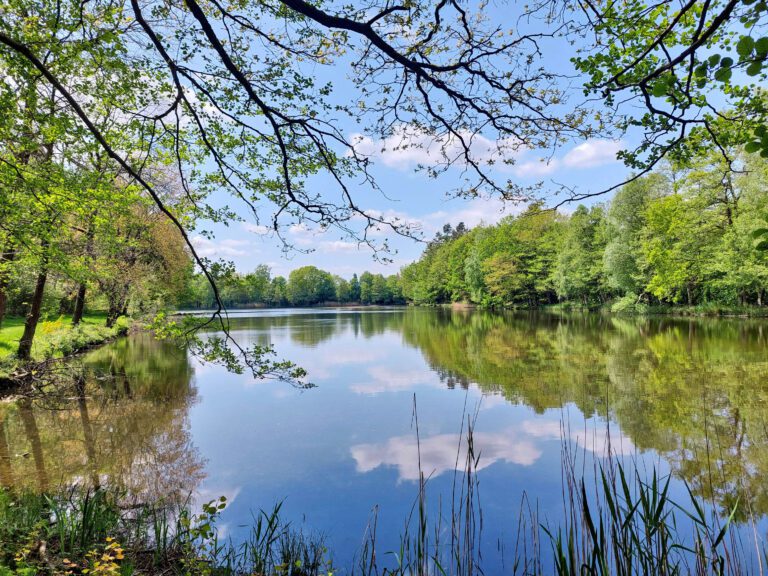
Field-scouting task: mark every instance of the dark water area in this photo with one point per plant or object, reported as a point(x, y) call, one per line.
point(686, 396)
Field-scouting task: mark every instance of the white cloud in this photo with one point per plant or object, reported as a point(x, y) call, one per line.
point(338, 246)
point(473, 213)
point(259, 229)
point(408, 147)
point(536, 168)
point(592, 153)
point(207, 248)
point(388, 379)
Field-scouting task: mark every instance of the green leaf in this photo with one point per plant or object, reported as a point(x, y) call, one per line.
point(659, 89)
point(714, 59)
point(752, 147)
point(761, 46)
point(723, 75)
point(726, 62)
point(755, 68)
point(744, 46)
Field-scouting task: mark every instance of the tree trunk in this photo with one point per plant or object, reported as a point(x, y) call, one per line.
point(77, 315)
point(33, 316)
point(5, 258)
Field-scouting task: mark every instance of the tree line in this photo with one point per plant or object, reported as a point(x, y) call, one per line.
point(305, 286)
point(686, 234)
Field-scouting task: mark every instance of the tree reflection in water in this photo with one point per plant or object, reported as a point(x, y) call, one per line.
point(124, 425)
point(694, 390)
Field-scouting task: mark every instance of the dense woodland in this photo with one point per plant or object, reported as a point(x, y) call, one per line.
point(689, 235)
point(305, 286)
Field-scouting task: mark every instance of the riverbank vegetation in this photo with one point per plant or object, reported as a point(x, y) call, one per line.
point(615, 523)
point(688, 235)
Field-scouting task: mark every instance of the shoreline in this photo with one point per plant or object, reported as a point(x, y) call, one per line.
point(717, 311)
point(15, 374)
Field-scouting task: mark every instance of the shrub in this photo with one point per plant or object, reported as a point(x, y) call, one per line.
point(629, 304)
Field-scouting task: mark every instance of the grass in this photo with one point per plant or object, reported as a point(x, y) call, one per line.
point(55, 338)
point(86, 531)
point(622, 525)
point(48, 331)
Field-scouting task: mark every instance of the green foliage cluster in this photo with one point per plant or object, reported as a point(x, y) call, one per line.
point(305, 286)
point(686, 235)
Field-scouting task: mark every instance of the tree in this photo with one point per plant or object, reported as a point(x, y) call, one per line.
point(354, 289)
point(625, 223)
point(258, 283)
point(675, 247)
point(309, 285)
point(366, 288)
point(342, 289)
point(278, 291)
point(579, 270)
point(679, 63)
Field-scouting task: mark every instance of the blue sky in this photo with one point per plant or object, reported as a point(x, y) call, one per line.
point(411, 195)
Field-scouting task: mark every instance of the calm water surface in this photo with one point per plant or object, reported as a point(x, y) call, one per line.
point(688, 396)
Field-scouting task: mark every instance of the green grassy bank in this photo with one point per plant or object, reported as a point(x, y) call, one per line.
point(55, 338)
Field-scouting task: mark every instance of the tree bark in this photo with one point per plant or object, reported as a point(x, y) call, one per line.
point(33, 316)
point(77, 315)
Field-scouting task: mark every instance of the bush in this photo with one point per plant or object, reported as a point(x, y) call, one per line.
point(122, 325)
point(629, 304)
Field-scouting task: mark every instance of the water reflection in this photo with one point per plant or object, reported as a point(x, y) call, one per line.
point(521, 445)
point(123, 422)
point(690, 391)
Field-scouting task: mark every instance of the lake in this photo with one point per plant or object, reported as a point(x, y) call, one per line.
point(686, 396)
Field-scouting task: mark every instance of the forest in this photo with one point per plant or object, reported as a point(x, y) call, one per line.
point(691, 235)
point(305, 286)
